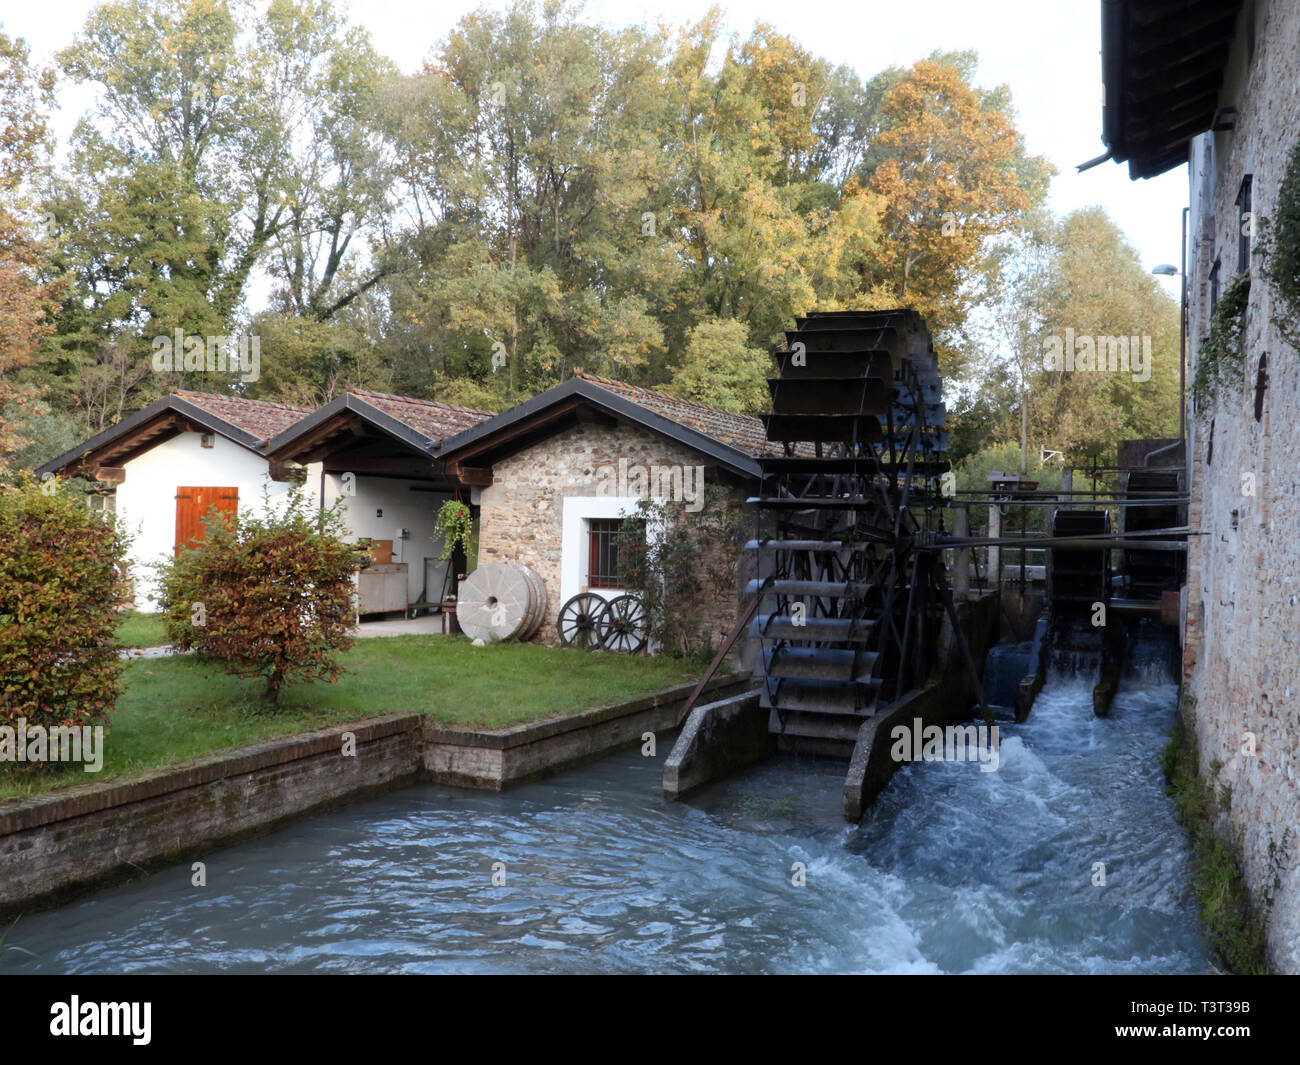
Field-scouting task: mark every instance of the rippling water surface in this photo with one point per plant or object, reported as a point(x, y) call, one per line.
point(953, 871)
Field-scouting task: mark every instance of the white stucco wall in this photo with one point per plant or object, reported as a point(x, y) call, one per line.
point(402, 508)
point(146, 501)
point(575, 540)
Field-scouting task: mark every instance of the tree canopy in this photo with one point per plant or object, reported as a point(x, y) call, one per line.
point(545, 193)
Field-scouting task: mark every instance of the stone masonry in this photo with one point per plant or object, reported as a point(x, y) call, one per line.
point(1242, 637)
point(521, 514)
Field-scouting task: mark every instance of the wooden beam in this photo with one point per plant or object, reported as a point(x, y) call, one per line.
point(286, 473)
point(317, 443)
point(479, 476)
point(393, 466)
point(111, 474)
point(521, 427)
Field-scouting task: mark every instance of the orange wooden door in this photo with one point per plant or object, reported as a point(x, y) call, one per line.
point(193, 504)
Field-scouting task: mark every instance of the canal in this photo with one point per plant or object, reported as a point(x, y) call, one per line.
point(954, 870)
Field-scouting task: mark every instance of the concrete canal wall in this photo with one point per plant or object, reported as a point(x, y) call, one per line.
point(57, 845)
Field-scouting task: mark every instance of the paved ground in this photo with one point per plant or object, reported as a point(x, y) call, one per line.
point(165, 651)
point(429, 623)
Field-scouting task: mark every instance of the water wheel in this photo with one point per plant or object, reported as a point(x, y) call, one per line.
point(850, 601)
point(501, 601)
point(579, 621)
point(624, 626)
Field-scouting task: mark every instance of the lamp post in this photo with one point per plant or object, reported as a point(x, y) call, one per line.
point(1169, 270)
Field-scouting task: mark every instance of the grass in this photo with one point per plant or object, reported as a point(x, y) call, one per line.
point(141, 630)
point(174, 709)
point(1233, 926)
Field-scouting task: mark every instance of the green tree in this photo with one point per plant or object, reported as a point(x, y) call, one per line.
point(1080, 275)
point(28, 295)
point(722, 370)
point(222, 140)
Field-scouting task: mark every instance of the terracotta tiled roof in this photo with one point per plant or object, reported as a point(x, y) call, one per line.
point(264, 420)
point(437, 421)
point(742, 431)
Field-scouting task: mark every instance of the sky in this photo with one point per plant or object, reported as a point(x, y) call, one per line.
point(1047, 51)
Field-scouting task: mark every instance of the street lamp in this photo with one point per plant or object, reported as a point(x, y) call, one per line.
point(1169, 270)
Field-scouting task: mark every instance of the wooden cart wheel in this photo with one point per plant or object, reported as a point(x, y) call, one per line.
point(579, 620)
point(623, 626)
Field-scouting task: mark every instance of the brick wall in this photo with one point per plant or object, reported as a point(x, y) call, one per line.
point(54, 845)
point(1242, 659)
point(58, 845)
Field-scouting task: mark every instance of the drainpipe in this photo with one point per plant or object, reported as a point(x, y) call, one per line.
point(1182, 339)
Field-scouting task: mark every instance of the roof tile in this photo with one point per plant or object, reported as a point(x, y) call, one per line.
point(259, 417)
point(743, 432)
point(432, 419)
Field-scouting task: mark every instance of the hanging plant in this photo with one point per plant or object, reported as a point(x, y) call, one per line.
point(1221, 358)
point(456, 525)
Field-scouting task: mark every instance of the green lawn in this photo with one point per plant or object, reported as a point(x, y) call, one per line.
point(179, 708)
point(141, 630)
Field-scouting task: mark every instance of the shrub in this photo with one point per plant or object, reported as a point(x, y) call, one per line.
point(268, 593)
point(61, 579)
point(682, 565)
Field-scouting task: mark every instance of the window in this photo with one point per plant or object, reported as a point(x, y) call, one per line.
point(1261, 385)
point(1245, 224)
point(1214, 286)
point(606, 535)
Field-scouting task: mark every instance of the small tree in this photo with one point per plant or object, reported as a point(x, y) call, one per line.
point(269, 594)
point(684, 567)
point(61, 580)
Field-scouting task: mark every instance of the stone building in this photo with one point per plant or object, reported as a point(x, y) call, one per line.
point(1216, 85)
point(568, 465)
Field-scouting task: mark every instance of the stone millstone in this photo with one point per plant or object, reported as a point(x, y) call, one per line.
point(501, 601)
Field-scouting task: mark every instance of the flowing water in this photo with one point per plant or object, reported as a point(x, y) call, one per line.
point(954, 870)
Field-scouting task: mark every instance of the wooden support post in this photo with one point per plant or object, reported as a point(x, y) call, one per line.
point(1067, 483)
point(995, 553)
point(961, 556)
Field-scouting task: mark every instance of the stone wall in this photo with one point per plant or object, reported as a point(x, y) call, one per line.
point(521, 515)
point(1242, 632)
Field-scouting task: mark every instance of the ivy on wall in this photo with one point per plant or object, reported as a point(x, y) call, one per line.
point(1280, 247)
point(1220, 361)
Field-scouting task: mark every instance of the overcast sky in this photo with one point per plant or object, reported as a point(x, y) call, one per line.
point(1048, 51)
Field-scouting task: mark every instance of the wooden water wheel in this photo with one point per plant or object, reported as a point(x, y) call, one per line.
point(849, 602)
